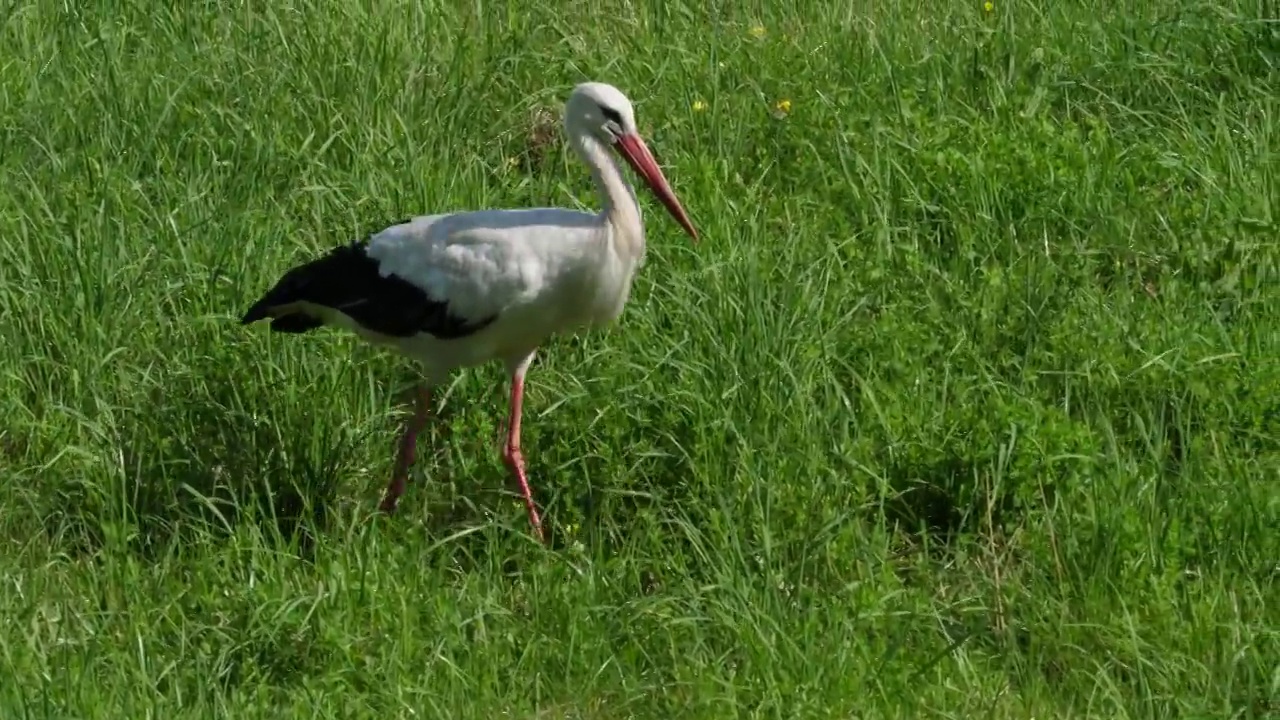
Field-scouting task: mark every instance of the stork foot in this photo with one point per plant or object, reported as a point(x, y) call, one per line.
point(392, 496)
point(514, 460)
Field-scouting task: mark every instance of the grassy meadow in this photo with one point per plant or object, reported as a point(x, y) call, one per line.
point(967, 405)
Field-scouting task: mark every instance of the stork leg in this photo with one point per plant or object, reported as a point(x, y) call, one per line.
point(511, 455)
point(407, 450)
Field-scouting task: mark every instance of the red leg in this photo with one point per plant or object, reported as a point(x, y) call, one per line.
point(407, 450)
point(512, 456)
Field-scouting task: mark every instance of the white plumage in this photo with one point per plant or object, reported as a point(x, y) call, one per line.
point(462, 289)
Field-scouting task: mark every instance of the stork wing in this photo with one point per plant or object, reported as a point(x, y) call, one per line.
point(480, 264)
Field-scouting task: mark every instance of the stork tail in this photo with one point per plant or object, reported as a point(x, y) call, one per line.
point(303, 297)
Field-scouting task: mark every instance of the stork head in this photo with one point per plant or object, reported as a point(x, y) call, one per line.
point(602, 112)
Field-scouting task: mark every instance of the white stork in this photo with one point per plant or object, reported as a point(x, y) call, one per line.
point(461, 289)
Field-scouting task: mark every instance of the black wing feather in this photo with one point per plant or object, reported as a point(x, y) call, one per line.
point(349, 281)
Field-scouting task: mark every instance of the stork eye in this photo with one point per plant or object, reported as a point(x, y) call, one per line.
point(612, 116)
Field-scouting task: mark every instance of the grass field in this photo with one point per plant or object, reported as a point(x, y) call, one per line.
point(967, 405)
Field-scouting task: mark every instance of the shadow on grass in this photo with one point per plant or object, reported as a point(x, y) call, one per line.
point(199, 457)
point(930, 496)
point(195, 465)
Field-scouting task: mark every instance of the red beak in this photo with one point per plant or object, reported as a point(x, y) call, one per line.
point(637, 154)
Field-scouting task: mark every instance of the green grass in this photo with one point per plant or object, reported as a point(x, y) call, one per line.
point(967, 405)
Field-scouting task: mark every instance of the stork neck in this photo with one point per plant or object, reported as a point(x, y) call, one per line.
point(620, 207)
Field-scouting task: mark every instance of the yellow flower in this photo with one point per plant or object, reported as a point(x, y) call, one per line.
point(988, 6)
point(699, 106)
point(757, 31)
point(513, 161)
point(783, 106)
